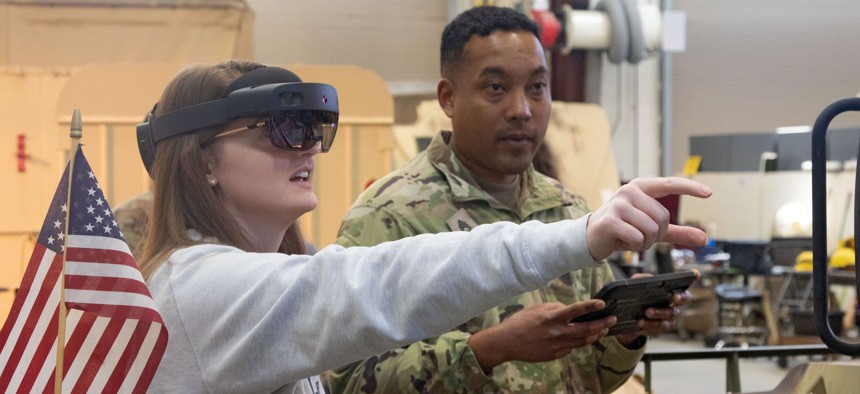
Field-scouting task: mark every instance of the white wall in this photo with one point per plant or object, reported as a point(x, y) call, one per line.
point(744, 205)
point(631, 96)
point(398, 39)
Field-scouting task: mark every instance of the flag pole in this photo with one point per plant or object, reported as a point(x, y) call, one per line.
point(75, 135)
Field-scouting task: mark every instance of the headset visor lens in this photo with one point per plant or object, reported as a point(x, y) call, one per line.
point(301, 130)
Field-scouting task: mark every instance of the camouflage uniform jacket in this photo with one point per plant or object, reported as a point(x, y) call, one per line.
point(430, 194)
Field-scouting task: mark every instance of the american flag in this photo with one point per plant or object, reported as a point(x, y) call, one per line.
point(114, 336)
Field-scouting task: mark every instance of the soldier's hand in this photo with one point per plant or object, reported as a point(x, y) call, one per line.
point(540, 332)
point(659, 320)
point(634, 220)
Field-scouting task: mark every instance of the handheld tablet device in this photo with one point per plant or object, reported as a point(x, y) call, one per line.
point(629, 298)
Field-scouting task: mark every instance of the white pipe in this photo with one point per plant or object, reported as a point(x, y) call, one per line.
point(591, 29)
point(652, 26)
point(587, 30)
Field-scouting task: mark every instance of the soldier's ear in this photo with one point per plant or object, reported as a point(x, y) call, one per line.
point(445, 95)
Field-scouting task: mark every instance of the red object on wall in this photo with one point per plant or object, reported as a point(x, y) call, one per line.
point(568, 71)
point(21, 154)
point(549, 27)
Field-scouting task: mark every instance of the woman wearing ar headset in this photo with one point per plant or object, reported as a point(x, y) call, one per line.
point(247, 311)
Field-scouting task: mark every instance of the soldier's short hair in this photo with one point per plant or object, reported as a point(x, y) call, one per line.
point(483, 21)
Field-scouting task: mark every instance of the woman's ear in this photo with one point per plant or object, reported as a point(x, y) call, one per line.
point(210, 162)
point(445, 95)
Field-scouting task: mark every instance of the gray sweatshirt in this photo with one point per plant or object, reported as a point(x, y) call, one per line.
point(244, 322)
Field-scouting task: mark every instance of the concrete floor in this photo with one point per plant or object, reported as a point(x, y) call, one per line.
point(709, 376)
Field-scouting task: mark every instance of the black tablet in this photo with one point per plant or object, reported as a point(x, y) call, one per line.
point(629, 298)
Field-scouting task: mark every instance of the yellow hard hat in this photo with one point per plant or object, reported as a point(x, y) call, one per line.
point(803, 262)
point(842, 257)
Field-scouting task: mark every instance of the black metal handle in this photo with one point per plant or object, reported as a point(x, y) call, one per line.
point(819, 226)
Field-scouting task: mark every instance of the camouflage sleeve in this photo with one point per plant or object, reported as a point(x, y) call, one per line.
point(444, 364)
point(615, 363)
point(365, 226)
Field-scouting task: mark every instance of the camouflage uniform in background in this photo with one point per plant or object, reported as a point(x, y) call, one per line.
point(433, 193)
point(132, 216)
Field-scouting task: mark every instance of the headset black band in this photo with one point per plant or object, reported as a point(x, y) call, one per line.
point(261, 76)
point(264, 100)
point(188, 119)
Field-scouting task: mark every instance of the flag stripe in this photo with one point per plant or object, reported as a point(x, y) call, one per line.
point(97, 242)
point(113, 357)
point(122, 311)
point(48, 369)
point(38, 333)
point(90, 282)
point(30, 301)
point(75, 338)
point(95, 269)
point(129, 356)
point(98, 356)
point(34, 327)
point(154, 344)
point(83, 355)
point(34, 270)
point(44, 351)
point(119, 298)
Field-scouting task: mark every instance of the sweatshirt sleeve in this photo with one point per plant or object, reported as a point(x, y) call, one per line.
point(258, 321)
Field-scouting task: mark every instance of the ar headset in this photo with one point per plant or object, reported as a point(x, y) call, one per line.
point(297, 115)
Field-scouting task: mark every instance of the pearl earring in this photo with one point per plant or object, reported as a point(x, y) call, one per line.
point(213, 182)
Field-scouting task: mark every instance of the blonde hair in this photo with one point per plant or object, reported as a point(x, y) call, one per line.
point(182, 199)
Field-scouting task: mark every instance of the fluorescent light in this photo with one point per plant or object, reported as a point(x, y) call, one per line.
point(793, 129)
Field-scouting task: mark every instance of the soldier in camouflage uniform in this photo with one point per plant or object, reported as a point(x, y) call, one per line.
point(434, 193)
point(481, 173)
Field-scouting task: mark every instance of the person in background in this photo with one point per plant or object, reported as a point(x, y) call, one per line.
point(132, 217)
point(495, 89)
